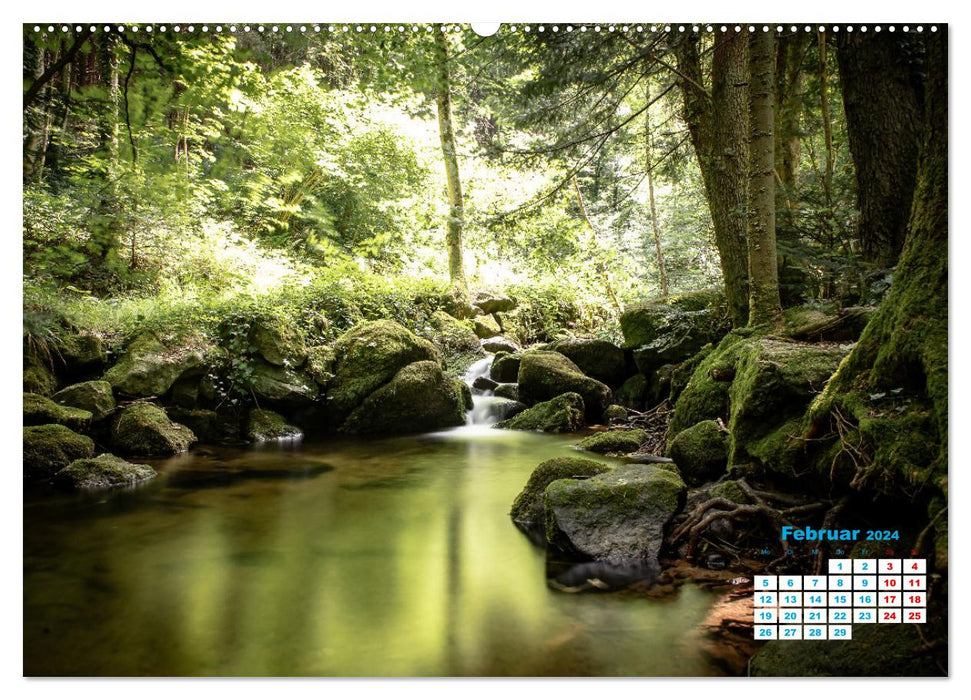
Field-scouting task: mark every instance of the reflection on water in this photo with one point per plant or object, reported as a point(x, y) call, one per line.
point(391, 557)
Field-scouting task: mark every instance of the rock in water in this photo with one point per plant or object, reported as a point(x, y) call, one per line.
point(50, 448)
point(369, 356)
point(596, 358)
point(701, 452)
point(282, 385)
point(95, 397)
point(620, 441)
point(419, 398)
point(505, 367)
point(562, 414)
point(545, 374)
point(263, 425)
point(527, 510)
point(103, 472)
point(144, 430)
point(39, 410)
point(149, 368)
point(617, 517)
point(507, 391)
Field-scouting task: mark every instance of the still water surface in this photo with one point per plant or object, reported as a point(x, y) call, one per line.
point(389, 557)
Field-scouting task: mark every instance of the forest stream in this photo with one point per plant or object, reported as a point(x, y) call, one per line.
point(385, 557)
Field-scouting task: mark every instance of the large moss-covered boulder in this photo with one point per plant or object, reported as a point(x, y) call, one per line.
point(38, 377)
point(527, 510)
point(505, 367)
point(102, 472)
point(465, 391)
point(50, 448)
point(206, 424)
point(774, 382)
point(418, 398)
point(320, 364)
point(874, 651)
point(633, 392)
point(80, 353)
point(701, 452)
point(280, 385)
point(617, 517)
point(149, 368)
point(369, 356)
point(94, 396)
point(486, 326)
point(544, 375)
point(39, 410)
point(492, 302)
point(145, 430)
point(279, 342)
point(596, 358)
point(452, 336)
point(614, 441)
point(507, 391)
point(263, 425)
point(682, 335)
point(561, 414)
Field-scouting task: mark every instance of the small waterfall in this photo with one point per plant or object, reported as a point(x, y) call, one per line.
point(486, 408)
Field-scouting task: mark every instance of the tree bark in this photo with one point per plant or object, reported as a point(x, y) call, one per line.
point(789, 93)
point(827, 129)
point(717, 125)
point(456, 218)
point(764, 303)
point(882, 95)
point(649, 166)
point(35, 118)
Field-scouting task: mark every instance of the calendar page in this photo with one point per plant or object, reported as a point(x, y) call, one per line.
point(438, 349)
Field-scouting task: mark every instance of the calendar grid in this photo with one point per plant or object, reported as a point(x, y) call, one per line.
point(853, 591)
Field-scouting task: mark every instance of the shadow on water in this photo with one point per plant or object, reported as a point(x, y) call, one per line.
point(388, 557)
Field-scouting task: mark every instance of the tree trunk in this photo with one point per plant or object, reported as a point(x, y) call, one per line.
point(764, 303)
point(35, 118)
point(456, 217)
point(105, 234)
point(789, 92)
point(649, 165)
point(827, 130)
point(718, 126)
point(903, 442)
point(882, 93)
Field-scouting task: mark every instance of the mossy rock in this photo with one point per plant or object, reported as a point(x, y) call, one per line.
point(659, 386)
point(185, 392)
point(633, 392)
point(507, 391)
point(149, 368)
point(712, 299)
point(453, 336)
point(50, 448)
point(367, 357)
point(561, 414)
point(701, 452)
point(681, 373)
point(465, 391)
point(614, 441)
point(81, 353)
point(527, 510)
point(38, 379)
point(596, 358)
point(40, 410)
point(490, 301)
point(419, 398)
point(680, 336)
point(544, 375)
point(730, 491)
point(617, 517)
point(320, 364)
point(499, 344)
point(614, 412)
point(505, 367)
point(874, 651)
point(278, 342)
point(93, 396)
point(486, 326)
point(775, 381)
point(263, 425)
point(102, 472)
point(281, 385)
point(205, 423)
point(145, 430)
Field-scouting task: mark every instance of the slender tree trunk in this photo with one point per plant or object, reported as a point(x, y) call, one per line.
point(35, 118)
point(764, 303)
point(789, 94)
point(718, 128)
point(446, 130)
point(882, 87)
point(105, 235)
point(827, 129)
point(649, 166)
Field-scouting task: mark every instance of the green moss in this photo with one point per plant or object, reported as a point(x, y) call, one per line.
point(614, 412)
point(145, 430)
point(527, 509)
point(320, 364)
point(486, 326)
point(544, 375)
point(596, 358)
point(562, 414)
point(633, 392)
point(95, 397)
point(103, 472)
point(465, 391)
point(730, 491)
point(781, 449)
point(149, 368)
point(505, 367)
point(50, 448)
point(39, 410)
point(282, 385)
point(263, 425)
point(38, 379)
point(617, 441)
point(701, 452)
point(278, 341)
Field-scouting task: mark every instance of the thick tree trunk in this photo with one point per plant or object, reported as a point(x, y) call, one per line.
point(718, 127)
point(882, 93)
point(764, 303)
point(649, 166)
point(446, 130)
point(901, 444)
